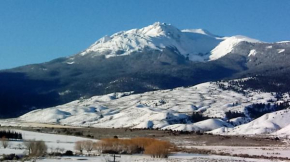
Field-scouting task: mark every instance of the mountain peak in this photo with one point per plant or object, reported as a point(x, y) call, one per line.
point(194, 44)
point(159, 28)
point(200, 31)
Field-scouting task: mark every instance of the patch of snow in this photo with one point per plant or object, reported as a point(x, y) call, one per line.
point(269, 47)
point(252, 53)
point(206, 125)
point(281, 50)
point(239, 121)
point(228, 45)
point(284, 42)
point(70, 63)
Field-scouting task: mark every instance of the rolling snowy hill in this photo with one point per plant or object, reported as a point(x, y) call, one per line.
point(276, 123)
point(166, 109)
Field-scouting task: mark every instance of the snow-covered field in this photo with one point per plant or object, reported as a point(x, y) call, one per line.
point(53, 142)
point(180, 157)
point(64, 142)
point(274, 151)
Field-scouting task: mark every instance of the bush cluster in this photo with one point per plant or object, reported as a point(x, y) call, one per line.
point(153, 147)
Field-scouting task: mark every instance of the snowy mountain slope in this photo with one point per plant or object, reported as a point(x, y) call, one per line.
point(157, 109)
point(196, 44)
point(228, 46)
point(190, 43)
point(272, 122)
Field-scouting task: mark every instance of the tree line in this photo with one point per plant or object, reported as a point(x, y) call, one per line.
point(10, 134)
point(259, 109)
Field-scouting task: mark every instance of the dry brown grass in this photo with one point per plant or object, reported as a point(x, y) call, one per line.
point(159, 149)
point(155, 148)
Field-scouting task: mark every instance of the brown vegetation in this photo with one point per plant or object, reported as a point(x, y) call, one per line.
point(155, 148)
point(158, 149)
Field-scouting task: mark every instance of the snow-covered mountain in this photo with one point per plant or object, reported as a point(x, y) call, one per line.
point(156, 57)
point(228, 45)
point(196, 44)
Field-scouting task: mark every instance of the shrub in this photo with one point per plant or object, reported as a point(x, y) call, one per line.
point(68, 153)
point(134, 145)
point(158, 149)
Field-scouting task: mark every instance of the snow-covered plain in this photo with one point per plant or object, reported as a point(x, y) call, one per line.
point(274, 151)
point(53, 142)
point(180, 157)
point(64, 142)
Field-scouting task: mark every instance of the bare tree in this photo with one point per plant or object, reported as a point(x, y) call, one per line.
point(88, 145)
point(4, 142)
point(99, 146)
point(79, 146)
point(28, 145)
point(36, 148)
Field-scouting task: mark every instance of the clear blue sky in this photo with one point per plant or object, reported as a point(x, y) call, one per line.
point(34, 31)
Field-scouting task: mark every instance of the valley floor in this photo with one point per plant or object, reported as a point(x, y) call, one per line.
point(204, 148)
